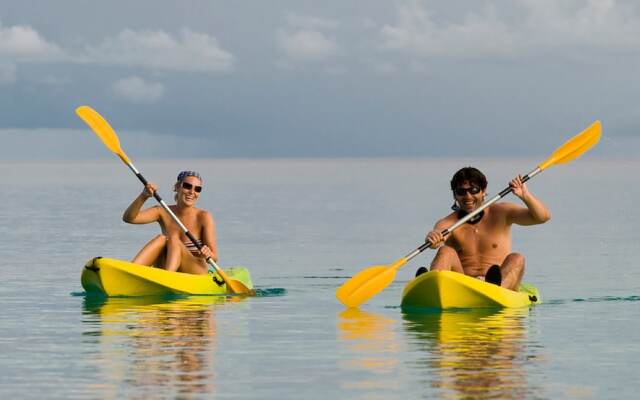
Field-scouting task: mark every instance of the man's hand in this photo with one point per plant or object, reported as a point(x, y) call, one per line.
point(519, 188)
point(435, 238)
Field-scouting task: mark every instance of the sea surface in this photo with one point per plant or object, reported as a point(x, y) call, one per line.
point(303, 227)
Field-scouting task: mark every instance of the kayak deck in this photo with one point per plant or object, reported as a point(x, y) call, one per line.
point(111, 277)
point(448, 289)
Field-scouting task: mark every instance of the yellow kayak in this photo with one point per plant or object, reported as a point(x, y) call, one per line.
point(111, 277)
point(448, 289)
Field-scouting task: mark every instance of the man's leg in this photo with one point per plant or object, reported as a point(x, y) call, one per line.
point(512, 270)
point(446, 259)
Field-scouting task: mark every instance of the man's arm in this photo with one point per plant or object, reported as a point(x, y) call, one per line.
point(534, 213)
point(435, 236)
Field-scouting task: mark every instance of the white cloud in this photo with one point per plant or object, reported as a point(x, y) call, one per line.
point(23, 43)
point(602, 24)
point(7, 74)
point(188, 51)
point(529, 26)
point(191, 51)
point(304, 40)
point(136, 90)
point(416, 31)
point(306, 45)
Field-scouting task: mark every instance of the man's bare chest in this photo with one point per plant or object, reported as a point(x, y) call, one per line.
point(481, 238)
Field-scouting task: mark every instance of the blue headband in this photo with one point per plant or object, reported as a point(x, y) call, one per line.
point(182, 175)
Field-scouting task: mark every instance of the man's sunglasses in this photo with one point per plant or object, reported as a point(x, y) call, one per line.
point(460, 191)
point(188, 186)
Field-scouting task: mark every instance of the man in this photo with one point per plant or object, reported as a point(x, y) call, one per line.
point(482, 247)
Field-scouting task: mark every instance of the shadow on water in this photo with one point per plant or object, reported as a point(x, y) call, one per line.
point(270, 292)
point(478, 354)
point(149, 345)
point(619, 299)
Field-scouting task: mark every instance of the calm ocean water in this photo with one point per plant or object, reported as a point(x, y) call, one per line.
point(303, 227)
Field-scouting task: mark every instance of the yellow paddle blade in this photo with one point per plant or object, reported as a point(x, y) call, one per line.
point(576, 146)
point(344, 291)
point(102, 129)
point(367, 283)
point(235, 286)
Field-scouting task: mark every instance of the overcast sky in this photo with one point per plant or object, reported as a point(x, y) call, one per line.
point(307, 78)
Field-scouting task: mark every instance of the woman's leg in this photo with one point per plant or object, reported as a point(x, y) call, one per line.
point(174, 253)
point(192, 264)
point(180, 259)
point(151, 252)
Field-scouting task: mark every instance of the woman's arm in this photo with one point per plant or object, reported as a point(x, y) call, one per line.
point(209, 236)
point(133, 215)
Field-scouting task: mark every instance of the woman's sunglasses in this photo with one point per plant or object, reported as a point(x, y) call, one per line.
point(188, 186)
point(460, 191)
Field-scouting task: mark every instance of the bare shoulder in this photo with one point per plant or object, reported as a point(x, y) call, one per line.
point(447, 221)
point(204, 215)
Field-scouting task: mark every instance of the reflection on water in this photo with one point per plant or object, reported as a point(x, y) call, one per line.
point(152, 345)
point(372, 347)
point(478, 354)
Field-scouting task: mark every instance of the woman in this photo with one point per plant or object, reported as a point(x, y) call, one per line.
point(172, 250)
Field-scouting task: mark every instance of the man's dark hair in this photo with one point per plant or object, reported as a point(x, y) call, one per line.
point(473, 175)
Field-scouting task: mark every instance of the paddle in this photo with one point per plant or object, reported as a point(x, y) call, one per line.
point(108, 136)
point(371, 281)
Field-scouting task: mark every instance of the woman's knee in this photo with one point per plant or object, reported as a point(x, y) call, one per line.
point(159, 238)
point(156, 242)
point(173, 239)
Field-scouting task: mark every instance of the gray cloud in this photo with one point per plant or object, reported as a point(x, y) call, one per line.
point(137, 90)
point(7, 73)
point(310, 22)
point(190, 51)
point(389, 78)
point(536, 27)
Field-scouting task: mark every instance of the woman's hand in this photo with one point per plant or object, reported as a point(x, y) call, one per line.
point(149, 190)
point(206, 252)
